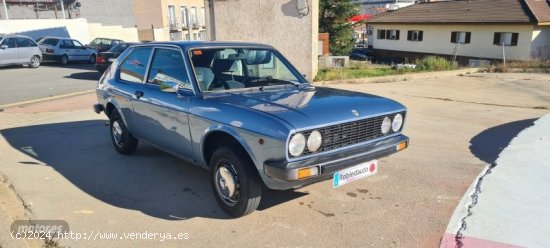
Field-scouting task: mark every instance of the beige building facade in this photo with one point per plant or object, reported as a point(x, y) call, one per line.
point(170, 20)
point(289, 26)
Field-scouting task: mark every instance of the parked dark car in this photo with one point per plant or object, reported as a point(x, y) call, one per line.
point(103, 44)
point(243, 112)
point(360, 54)
point(105, 59)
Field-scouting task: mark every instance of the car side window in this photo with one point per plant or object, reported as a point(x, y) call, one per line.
point(51, 42)
point(10, 42)
point(134, 66)
point(67, 44)
point(168, 66)
point(24, 42)
point(77, 44)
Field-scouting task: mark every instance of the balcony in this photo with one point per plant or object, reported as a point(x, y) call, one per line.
point(174, 24)
point(196, 25)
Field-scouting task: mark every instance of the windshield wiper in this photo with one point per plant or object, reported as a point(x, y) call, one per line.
point(268, 79)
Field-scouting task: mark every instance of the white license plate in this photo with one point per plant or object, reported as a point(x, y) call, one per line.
point(354, 173)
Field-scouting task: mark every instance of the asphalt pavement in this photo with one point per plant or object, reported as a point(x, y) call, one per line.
point(57, 158)
point(21, 84)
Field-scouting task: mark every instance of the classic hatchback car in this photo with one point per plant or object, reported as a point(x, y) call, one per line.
point(245, 113)
point(65, 50)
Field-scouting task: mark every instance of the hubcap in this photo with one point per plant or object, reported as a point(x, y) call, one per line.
point(117, 133)
point(227, 183)
point(35, 62)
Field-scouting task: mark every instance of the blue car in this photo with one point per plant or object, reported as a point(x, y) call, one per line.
point(243, 112)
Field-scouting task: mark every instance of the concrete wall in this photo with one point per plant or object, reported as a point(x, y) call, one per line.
point(540, 48)
point(78, 29)
point(437, 40)
point(274, 22)
point(107, 12)
point(73, 28)
point(116, 32)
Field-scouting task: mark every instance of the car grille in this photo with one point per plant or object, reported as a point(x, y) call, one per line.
point(350, 133)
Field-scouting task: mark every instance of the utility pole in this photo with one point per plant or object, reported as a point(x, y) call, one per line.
point(189, 26)
point(6, 10)
point(503, 55)
point(63, 8)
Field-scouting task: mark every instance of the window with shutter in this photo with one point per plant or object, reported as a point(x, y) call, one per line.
point(506, 39)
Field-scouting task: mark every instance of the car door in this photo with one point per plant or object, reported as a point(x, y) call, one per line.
point(26, 49)
point(130, 77)
point(67, 47)
point(80, 51)
point(9, 53)
point(161, 117)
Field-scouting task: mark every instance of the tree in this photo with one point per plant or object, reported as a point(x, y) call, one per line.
point(334, 19)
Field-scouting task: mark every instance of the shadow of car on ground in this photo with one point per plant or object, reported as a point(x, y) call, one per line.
point(488, 144)
point(150, 181)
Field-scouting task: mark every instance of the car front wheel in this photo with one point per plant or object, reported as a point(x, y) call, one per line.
point(123, 141)
point(235, 182)
point(92, 59)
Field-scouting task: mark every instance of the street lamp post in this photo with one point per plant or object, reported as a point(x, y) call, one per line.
point(6, 10)
point(63, 8)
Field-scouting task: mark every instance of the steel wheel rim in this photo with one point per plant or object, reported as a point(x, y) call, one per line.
point(116, 129)
point(64, 60)
point(227, 183)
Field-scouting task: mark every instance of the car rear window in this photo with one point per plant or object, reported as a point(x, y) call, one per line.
point(51, 42)
point(119, 48)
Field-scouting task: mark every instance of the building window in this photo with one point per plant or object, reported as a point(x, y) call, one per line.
point(506, 39)
point(172, 14)
point(184, 16)
point(187, 37)
point(461, 37)
point(195, 36)
point(415, 35)
point(388, 34)
point(194, 17)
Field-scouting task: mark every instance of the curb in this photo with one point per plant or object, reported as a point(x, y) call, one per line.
point(19, 104)
point(403, 77)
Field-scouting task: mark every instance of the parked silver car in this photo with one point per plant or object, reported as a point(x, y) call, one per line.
point(19, 50)
point(65, 50)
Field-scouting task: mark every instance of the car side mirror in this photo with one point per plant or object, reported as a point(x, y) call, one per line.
point(4, 47)
point(169, 86)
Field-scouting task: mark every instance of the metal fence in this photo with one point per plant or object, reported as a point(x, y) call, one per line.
point(39, 9)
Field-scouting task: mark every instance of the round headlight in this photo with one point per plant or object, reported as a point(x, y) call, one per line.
point(314, 141)
point(397, 122)
point(297, 144)
point(386, 125)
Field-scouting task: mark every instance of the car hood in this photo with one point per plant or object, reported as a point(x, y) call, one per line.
point(312, 106)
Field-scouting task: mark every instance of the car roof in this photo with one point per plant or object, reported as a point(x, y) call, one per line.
point(16, 35)
point(207, 44)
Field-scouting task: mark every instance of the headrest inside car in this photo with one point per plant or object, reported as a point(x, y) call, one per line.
point(257, 57)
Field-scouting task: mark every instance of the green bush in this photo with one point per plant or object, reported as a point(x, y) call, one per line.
point(434, 63)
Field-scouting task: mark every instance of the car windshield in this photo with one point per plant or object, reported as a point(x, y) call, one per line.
point(100, 41)
point(224, 69)
point(119, 48)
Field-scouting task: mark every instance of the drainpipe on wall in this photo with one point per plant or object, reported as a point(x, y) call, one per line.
point(6, 10)
point(212, 20)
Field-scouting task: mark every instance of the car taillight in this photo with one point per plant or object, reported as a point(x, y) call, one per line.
point(100, 60)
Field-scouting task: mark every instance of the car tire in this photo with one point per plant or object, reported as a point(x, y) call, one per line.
point(92, 59)
point(64, 60)
point(235, 181)
point(35, 62)
point(123, 141)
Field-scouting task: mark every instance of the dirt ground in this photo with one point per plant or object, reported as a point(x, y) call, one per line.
point(60, 162)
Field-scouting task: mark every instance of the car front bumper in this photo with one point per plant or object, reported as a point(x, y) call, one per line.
point(286, 172)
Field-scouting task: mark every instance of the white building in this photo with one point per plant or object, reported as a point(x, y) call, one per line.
point(475, 29)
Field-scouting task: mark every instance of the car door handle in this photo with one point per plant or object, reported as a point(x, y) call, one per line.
point(138, 94)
